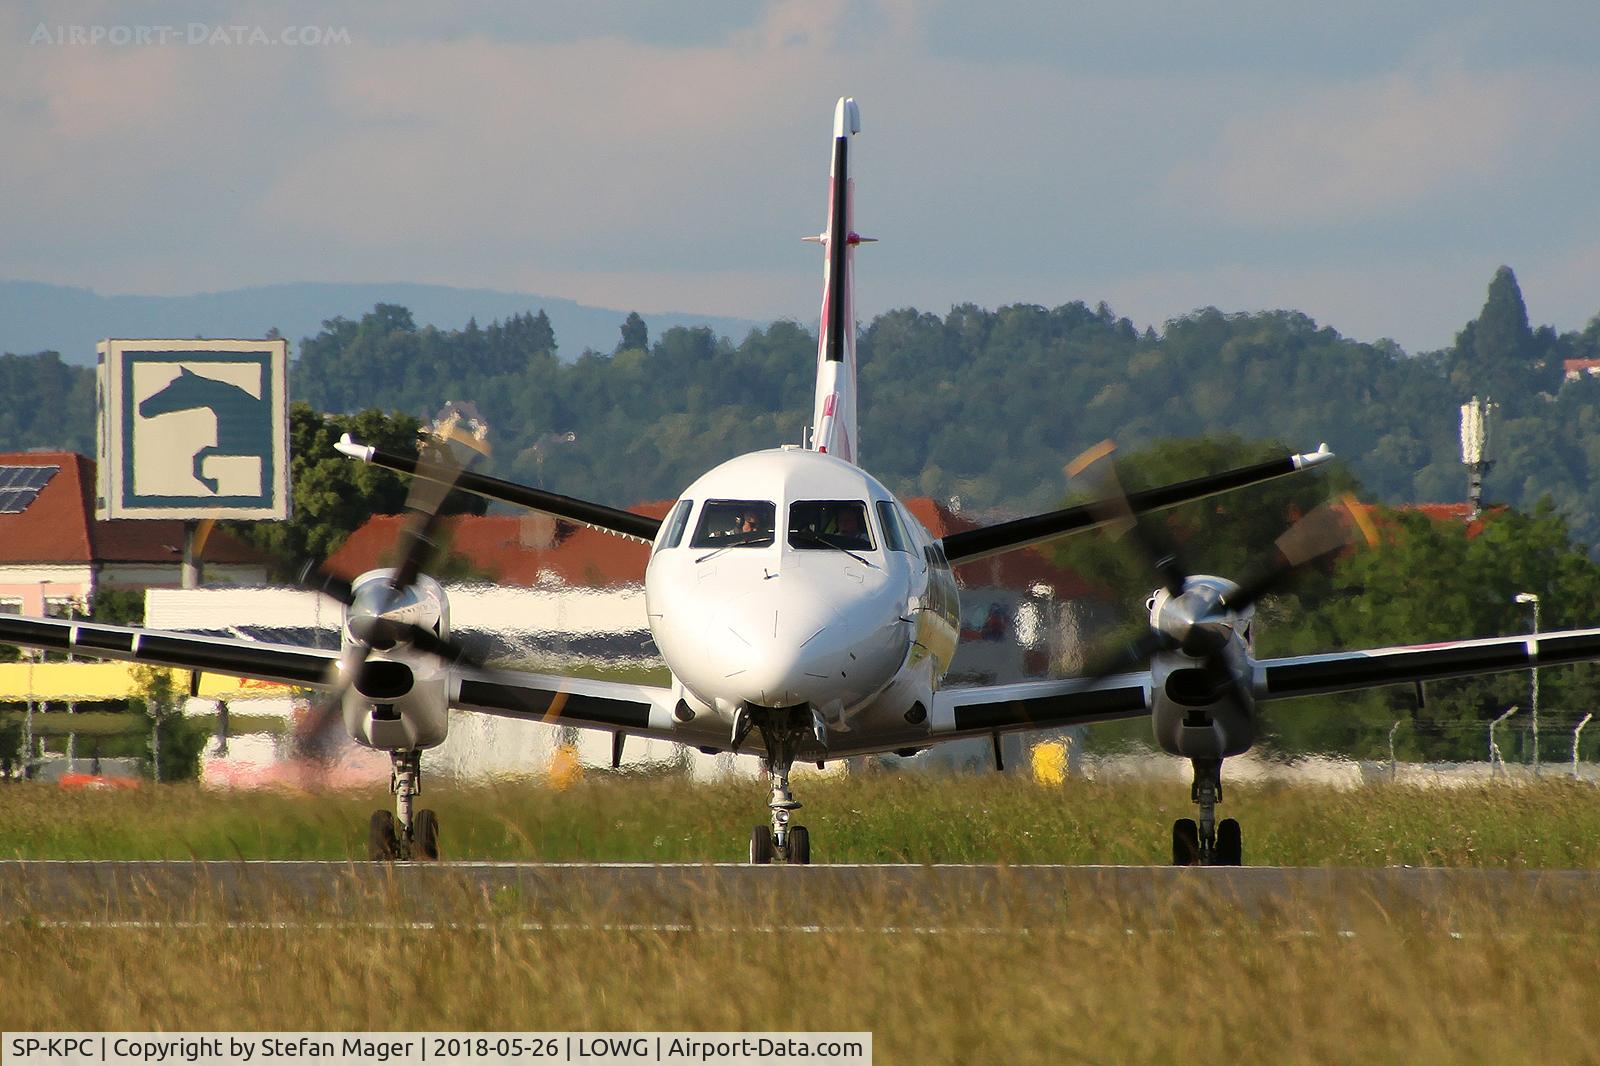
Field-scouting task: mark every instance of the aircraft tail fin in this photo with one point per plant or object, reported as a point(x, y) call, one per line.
point(833, 416)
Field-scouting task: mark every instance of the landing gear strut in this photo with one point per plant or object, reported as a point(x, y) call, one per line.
point(404, 835)
point(781, 732)
point(1208, 842)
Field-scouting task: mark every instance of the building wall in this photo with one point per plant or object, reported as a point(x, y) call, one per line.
point(35, 589)
point(148, 575)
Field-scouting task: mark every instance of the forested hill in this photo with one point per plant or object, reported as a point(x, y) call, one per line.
point(988, 405)
point(984, 404)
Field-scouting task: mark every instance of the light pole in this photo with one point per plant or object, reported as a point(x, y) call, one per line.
point(1495, 759)
point(1577, 735)
point(1533, 598)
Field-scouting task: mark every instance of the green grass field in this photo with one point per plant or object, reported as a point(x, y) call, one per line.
point(872, 818)
point(1186, 981)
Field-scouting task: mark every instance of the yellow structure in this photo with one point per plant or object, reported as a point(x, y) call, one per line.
point(86, 682)
point(1050, 762)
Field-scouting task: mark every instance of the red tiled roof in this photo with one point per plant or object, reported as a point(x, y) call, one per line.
point(54, 527)
point(1018, 569)
point(1454, 512)
point(935, 517)
point(59, 525)
point(519, 550)
point(512, 549)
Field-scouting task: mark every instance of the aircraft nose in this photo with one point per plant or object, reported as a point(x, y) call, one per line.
point(766, 646)
point(803, 650)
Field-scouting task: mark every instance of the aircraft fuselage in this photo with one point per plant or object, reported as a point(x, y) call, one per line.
point(788, 577)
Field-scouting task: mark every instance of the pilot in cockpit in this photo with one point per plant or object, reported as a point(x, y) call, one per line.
point(843, 527)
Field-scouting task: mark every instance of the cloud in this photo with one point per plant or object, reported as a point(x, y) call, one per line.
point(673, 166)
point(1383, 146)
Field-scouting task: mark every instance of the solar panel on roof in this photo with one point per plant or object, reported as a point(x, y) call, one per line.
point(20, 485)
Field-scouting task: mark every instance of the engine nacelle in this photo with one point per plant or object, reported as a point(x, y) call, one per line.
point(1201, 705)
point(400, 697)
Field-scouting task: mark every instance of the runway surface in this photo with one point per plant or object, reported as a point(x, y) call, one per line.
point(717, 896)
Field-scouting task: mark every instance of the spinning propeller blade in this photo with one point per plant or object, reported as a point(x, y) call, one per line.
point(1321, 534)
point(1096, 471)
point(1199, 620)
point(456, 440)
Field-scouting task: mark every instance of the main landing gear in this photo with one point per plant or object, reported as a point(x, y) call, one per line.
point(401, 835)
point(1208, 843)
point(781, 731)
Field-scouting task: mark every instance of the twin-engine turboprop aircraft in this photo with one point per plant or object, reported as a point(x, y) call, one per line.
point(804, 615)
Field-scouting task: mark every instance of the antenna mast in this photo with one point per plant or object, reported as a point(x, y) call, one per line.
point(1475, 418)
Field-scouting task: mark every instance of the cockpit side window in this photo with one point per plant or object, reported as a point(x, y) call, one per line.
point(735, 524)
point(675, 524)
point(894, 535)
point(829, 524)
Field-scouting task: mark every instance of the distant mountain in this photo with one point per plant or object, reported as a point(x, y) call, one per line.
point(36, 317)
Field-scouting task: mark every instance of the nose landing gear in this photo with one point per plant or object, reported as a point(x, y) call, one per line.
point(1208, 842)
point(781, 731)
point(401, 835)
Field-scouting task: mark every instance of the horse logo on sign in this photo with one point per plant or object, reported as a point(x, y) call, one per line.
point(243, 425)
point(198, 428)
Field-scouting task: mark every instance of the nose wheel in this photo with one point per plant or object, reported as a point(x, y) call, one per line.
point(402, 834)
point(781, 842)
point(1207, 842)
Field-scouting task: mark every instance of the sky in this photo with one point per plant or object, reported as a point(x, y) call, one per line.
point(1366, 162)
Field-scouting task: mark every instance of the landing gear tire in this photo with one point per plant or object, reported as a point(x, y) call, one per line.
point(425, 837)
point(1185, 842)
point(798, 852)
point(1230, 843)
point(382, 844)
point(761, 847)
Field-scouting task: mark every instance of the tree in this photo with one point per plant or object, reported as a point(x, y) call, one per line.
point(635, 334)
point(1502, 333)
point(45, 403)
point(1446, 580)
point(1498, 354)
point(1231, 535)
point(118, 606)
point(11, 736)
point(331, 494)
point(540, 335)
point(173, 749)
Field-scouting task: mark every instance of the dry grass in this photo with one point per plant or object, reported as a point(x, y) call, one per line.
point(1181, 983)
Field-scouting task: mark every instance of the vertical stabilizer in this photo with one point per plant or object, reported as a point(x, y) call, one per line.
point(833, 417)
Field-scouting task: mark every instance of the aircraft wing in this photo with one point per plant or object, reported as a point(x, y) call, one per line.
point(288, 664)
point(628, 524)
point(970, 544)
point(981, 709)
point(1346, 671)
point(609, 705)
point(616, 706)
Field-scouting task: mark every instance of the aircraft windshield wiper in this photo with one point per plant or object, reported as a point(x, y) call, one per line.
point(753, 536)
point(811, 536)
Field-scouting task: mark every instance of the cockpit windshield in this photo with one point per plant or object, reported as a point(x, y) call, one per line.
point(829, 524)
point(735, 524)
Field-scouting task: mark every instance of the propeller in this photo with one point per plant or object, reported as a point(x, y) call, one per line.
point(1097, 472)
point(1197, 618)
point(375, 613)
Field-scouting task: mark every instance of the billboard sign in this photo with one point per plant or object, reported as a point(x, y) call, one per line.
point(193, 429)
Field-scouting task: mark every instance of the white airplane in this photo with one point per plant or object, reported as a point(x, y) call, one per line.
point(805, 615)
